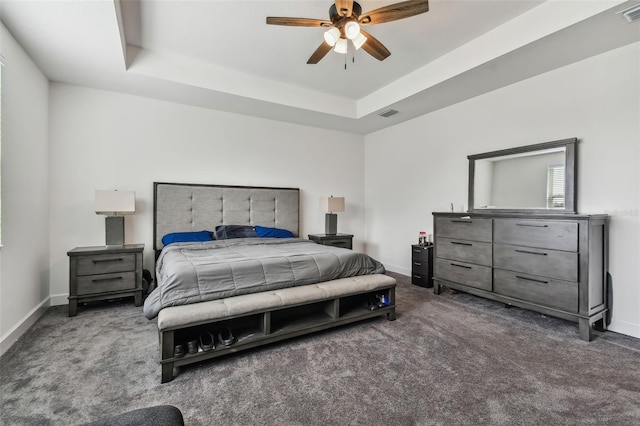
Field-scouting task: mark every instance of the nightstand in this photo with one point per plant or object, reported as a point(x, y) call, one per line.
point(104, 272)
point(337, 240)
point(422, 265)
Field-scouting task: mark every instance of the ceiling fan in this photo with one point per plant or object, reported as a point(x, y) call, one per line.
point(346, 18)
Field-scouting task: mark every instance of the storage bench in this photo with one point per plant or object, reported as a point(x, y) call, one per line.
point(262, 318)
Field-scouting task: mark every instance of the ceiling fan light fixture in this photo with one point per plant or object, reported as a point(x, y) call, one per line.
point(359, 41)
point(352, 30)
point(332, 36)
point(341, 46)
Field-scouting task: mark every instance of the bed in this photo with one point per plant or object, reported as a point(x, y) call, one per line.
point(257, 288)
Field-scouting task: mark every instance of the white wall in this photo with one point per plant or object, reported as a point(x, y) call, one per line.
point(24, 257)
point(420, 166)
point(106, 140)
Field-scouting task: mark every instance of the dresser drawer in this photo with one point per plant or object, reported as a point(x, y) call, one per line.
point(556, 235)
point(463, 273)
point(544, 291)
point(464, 229)
point(464, 251)
point(106, 283)
point(548, 263)
point(106, 263)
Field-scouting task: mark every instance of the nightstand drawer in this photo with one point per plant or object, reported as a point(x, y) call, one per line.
point(420, 266)
point(337, 240)
point(421, 252)
point(423, 280)
point(106, 263)
point(106, 283)
point(338, 243)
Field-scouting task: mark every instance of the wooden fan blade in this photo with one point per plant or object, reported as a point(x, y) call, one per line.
point(320, 53)
point(374, 48)
point(298, 22)
point(394, 12)
point(344, 7)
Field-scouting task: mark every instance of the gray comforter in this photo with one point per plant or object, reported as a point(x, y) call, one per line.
point(196, 272)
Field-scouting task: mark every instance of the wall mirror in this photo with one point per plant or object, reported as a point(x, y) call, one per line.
point(536, 178)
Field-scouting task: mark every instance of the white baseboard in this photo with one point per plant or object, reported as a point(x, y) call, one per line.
point(23, 325)
point(397, 269)
point(59, 299)
point(623, 327)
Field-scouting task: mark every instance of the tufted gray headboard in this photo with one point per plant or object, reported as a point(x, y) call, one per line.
point(182, 207)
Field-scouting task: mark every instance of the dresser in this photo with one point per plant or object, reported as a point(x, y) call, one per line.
point(104, 272)
point(555, 264)
point(336, 240)
point(422, 265)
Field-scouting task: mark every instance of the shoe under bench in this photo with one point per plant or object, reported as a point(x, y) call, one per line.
point(263, 318)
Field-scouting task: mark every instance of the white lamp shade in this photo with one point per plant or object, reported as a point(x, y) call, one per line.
point(351, 30)
point(113, 203)
point(359, 41)
point(341, 46)
point(332, 204)
point(332, 36)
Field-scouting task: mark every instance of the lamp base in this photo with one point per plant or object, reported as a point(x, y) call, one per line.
point(114, 227)
point(331, 224)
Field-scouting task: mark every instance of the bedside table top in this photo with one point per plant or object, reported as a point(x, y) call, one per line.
point(127, 248)
point(329, 235)
point(428, 245)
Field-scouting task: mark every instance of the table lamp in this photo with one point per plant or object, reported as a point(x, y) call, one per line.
point(115, 204)
point(331, 205)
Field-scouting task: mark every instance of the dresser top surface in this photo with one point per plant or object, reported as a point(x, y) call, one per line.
point(519, 215)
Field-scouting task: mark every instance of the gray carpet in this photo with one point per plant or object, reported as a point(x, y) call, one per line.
point(449, 359)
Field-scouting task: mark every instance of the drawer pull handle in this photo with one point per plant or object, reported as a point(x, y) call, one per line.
point(417, 276)
point(417, 263)
point(95, 280)
point(532, 279)
point(532, 225)
point(117, 259)
point(461, 221)
point(461, 266)
point(417, 251)
point(461, 244)
point(531, 252)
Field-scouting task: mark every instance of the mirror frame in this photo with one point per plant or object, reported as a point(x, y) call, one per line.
point(569, 175)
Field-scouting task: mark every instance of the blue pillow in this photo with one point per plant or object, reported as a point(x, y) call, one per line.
point(227, 232)
point(185, 237)
point(265, 232)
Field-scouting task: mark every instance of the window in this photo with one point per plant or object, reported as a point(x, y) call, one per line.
point(555, 186)
point(1, 65)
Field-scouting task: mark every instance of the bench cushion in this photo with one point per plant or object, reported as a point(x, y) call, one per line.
point(198, 313)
